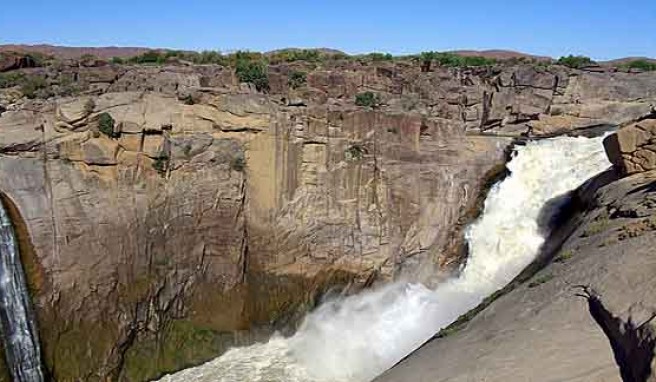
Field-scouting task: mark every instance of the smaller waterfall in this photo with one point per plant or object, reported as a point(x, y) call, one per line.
point(19, 332)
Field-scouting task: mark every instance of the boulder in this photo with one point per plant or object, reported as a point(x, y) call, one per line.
point(633, 148)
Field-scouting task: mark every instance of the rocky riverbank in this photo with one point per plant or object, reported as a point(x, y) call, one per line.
point(173, 211)
point(541, 329)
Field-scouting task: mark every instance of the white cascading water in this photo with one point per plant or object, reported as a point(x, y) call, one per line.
point(17, 321)
point(356, 338)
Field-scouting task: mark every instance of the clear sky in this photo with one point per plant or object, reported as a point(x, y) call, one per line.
point(601, 29)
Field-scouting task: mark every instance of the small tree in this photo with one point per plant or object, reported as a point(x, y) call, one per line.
point(297, 79)
point(253, 72)
point(575, 62)
point(367, 99)
point(106, 125)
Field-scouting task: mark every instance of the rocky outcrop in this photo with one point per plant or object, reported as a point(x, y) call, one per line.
point(540, 325)
point(206, 214)
point(633, 148)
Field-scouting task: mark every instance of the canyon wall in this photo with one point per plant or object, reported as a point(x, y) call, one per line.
point(211, 213)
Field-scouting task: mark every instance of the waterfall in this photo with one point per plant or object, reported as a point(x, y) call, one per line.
point(356, 338)
point(19, 332)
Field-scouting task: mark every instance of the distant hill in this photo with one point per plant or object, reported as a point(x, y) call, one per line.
point(499, 54)
point(621, 61)
point(69, 52)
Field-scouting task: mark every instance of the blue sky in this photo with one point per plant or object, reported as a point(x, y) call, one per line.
point(601, 29)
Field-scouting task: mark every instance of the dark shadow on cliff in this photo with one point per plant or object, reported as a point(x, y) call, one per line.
point(632, 344)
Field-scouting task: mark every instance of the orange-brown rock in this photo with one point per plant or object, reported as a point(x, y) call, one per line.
point(633, 148)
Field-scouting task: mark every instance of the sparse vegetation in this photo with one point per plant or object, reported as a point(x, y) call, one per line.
point(11, 79)
point(598, 225)
point(297, 79)
point(106, 125)
point(379, 56)
point(150, 57)
point(355, 152)
point(88, 57)
point(451, 60)
point(541, 280)
point(66, 86)
point(564, 256)
point(34, 87)
point(117, 60)
point(253, 72)
point(367, 99)
point(238, 163)
point(575, 62)
point(161, 163)
point(291, 55)
point(640, 65)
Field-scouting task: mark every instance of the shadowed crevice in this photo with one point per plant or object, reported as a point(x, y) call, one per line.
point(632, 344)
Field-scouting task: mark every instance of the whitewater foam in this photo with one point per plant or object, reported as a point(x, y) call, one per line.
point(356, 338)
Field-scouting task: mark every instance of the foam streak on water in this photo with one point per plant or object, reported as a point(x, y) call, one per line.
point(356, 338)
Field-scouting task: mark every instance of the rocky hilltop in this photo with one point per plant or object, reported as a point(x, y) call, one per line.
point(167, 212)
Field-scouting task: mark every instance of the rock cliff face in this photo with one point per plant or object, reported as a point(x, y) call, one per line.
point(205, 213)
point(541, 328)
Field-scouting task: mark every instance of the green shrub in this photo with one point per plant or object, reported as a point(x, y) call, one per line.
point(34, 86)
point(297, 79)
point(11, 79)
point(564, 256)
point(367, 99)
point(161, 163)
point(641, 65)
point(598, 225)
point(540, 280)
point(106, 125)
point(291, 55)
point(575, 62)
point(355, 152)
point(117, 60)
point(380, 56)
point(253, 72)
point(238, 163)
point(452, 60)
point(88, 57)
point(149, 57)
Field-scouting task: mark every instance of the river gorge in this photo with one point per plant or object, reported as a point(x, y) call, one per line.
point(176, 223)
